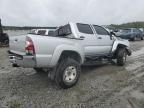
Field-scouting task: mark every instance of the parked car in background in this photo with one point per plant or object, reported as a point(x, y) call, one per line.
point(73, 45)
point(130, 34)
point(111, 29)
point(142, 30)
point(4, 38)
point(44, 32)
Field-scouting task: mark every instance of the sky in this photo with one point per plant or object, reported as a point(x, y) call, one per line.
point(60, 12)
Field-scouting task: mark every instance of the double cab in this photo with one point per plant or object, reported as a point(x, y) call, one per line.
point(73, 45)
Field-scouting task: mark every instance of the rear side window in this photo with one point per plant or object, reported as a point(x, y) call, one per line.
point(84, 28)
point(100, 30)
point(41, 32)
point(63, 31)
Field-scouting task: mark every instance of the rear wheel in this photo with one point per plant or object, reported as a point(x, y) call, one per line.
point(142, 38)
point(121, 57)
point(67, 73)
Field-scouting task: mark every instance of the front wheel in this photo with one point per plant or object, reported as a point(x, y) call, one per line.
point(142, 38)
point(6, 42)
point(121, 57)
point(67, 73)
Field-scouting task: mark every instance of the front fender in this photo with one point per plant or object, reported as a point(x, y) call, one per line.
point(118, 42)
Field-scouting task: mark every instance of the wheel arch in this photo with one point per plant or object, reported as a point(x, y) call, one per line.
point(72, 54)
point(62, 56)
point(115, 50)
point(75, 52)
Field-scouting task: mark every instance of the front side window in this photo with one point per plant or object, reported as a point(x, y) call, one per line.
point(84, 28)
point(100, 30)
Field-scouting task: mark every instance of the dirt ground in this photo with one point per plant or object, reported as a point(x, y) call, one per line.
point(104, 86)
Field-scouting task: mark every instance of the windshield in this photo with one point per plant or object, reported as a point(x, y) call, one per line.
point(63, 31)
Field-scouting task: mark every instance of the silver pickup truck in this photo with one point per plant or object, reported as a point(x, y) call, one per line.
point(73, 45)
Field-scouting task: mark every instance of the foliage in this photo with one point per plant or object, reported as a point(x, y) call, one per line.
point(125, 25)
point(15, 104)
point(130, 25)
point(25, 28)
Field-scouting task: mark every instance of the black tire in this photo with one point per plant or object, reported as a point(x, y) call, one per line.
point(60, 77)
point(142, 38)
point(5, 42)
point(121, 57)
point(39, 70)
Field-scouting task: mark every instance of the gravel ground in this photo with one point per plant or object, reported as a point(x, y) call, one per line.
point(104, 86)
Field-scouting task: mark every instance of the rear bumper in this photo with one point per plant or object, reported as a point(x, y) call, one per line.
point(22, 60)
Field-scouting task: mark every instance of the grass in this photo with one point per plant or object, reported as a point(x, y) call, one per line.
point(15, 104)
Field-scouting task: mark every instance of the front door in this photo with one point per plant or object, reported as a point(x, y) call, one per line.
point(104, 40)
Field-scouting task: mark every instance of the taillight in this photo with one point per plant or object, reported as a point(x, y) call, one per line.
point(29, 48)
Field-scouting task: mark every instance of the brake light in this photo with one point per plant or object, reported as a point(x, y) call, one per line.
point(29, 48)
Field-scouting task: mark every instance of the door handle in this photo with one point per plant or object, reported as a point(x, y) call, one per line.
point(99, 37)
point(82, 37)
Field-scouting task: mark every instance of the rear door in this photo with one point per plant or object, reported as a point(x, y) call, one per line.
point(89, 40)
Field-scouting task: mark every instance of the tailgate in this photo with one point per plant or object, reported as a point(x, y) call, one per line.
point(17, 44)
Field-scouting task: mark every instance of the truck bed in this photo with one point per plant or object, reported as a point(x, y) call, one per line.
point(45, 48)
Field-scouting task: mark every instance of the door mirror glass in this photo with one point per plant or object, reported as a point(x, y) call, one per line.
point(112, 33)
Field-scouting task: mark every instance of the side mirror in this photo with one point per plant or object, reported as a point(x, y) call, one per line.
point(112, 33)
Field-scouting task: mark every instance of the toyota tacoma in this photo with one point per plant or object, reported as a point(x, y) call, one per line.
point(73, 45)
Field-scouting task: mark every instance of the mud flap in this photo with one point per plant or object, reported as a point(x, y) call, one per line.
point(52, 73)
